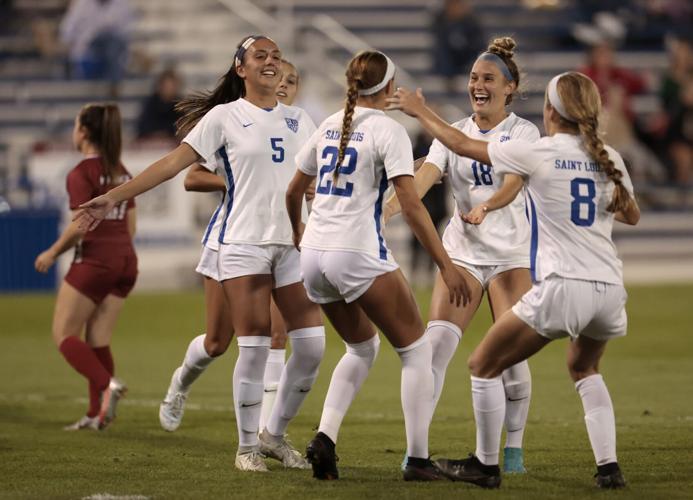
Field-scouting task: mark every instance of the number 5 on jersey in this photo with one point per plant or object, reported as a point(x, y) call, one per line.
point(325, 185)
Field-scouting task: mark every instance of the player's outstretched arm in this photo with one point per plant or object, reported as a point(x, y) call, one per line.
point(426, 175)
point(414, 104)
point(95, 210)
point(512, 184)
point(201, 180)
point(419, 220)
point(294, 202)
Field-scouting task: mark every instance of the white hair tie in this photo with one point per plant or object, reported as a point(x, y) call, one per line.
point(389, 75)
point(555, 99)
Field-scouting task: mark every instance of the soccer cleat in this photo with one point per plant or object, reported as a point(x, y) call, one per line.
point(251, 461)
point(609, 476)
point(172, 407)
point(425, 472)
point(470, 470)
point(109, 400)
point(513, 461)
point(403, 465)
point(281, 449)
point(83, 423)
point(320, 453)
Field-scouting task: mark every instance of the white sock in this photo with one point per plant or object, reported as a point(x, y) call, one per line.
point(599, 417)
point(273, 372)
point(517, 382)
point(347, 378)
point(488, 398)
point(417, 390)
point(247, 387)
point(195, 362)
point(444, 337)
point(307, 349)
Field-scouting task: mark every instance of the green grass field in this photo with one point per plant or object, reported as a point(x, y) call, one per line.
point(649, 373)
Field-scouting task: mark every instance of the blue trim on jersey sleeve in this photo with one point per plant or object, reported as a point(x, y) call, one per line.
point(534, 239)
point(232, 188)
point(213, 220)
point(378, 213)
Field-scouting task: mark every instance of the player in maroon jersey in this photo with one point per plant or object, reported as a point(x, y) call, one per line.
point(104, 268)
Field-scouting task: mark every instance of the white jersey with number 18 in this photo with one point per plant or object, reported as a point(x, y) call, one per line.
point(347, 214)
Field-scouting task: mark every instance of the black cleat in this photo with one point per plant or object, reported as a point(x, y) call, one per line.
point(421, 470)
point(470, 470)
point(609, 476)
point(322, 457)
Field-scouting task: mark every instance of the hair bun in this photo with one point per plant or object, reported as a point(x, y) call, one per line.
point(503, 47)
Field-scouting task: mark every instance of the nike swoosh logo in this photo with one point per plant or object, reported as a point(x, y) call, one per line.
point(270, 390)
point(518, 399)
point(245, 125)
point(304, 390)
point(243, 405)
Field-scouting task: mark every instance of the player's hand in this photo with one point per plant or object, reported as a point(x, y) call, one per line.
point(310, 192)
point(93, 212)
point(411, 103)
point(44, 261)
point(457, 285)
point(387, 213)
point(476, 215)
point(298, 236)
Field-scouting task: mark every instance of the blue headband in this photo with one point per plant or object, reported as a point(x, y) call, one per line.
point(502, 66)
point(244, 46)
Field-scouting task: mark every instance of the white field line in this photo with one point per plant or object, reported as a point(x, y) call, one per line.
point(108, 496)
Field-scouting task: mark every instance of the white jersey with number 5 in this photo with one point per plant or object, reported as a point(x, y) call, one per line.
point(256, 148)
point(567, 194)
point(347, 215)
point(503, 238)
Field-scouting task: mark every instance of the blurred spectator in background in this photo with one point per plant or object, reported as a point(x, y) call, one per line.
point(458, 40)
point(96, 33)
point(680, 139)
point(617, 86)
point(157, 119)
point(435, 202)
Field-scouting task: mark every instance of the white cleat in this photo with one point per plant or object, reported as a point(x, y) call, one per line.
point(281, 449)
point(109, 400)
point(85, 422)
point(251, 461)
point(172, 407)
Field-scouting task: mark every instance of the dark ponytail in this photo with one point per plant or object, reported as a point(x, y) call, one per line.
point(103, 126)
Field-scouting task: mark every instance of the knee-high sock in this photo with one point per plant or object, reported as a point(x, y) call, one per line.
point(444, 337)
point(417, 394)
point(488, 399)
point(247, 387)
point(81, 357)
point(301, 370)
point(105, 357)
point(517, 382)
point(273, 372)
point(347, 378)
point(195, 362)
point(599, 417)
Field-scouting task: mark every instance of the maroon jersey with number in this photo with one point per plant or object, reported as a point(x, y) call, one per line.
point(111, 237)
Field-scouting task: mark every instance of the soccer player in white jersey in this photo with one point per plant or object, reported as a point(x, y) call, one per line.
point(256, 139)
point(493, 257)
point(576, 187)
point(347, 267)
point(204, 348)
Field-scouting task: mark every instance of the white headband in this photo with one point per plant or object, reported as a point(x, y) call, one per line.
point(555, 99)
point(389, 75)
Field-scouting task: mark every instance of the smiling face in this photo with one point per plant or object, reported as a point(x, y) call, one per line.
point(488, 89)
point(288, 85)
point(261, 65)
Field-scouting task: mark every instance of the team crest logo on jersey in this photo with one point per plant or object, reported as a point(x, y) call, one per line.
point(292, 124)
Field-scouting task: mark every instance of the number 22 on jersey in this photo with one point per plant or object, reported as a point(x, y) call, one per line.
point(348, 166)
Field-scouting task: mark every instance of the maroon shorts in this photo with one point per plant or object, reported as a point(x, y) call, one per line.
point(98, 278)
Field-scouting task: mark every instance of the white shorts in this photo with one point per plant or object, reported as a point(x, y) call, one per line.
point(240, 259)
point(557, 307)
point(209, 263)
point(334, 275)
point(484, 274)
